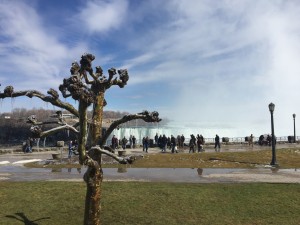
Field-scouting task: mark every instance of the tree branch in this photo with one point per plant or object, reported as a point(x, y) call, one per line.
point(56, 129)
point(38, 133)
point(121, 160)
point(145, 115)
point(51, 98)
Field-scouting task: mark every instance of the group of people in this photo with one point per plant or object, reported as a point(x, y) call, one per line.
point(266, 140)
point(115, 142)
point(179, 142)
point(199, 142)
point(196, 143)
point(163, 142)
point(167, 142)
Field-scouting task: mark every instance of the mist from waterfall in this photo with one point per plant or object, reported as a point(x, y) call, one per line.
point(208, 131)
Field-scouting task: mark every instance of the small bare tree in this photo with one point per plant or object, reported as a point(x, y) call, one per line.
point(88, 88)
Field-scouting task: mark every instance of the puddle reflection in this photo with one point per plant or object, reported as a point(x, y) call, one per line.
point(122, 170)
point(145, 174)
point(56, 170)
point(200, 171)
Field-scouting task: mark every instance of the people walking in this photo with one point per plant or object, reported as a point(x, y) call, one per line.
point(75, 147)
point(156, 139)
point(203, 142)
point(178, 140)
point(251, 140)
point(114, 142)
point(200, 142)
point(217, 143)
point(159, 142)
point(192, 144)
point(29, 144)
point(145, 144)
point(70, 147)
point(173, 144)
point(124, 143)
point(133, 141)
point(182, 139)
point(164, 141)
point(130, 141)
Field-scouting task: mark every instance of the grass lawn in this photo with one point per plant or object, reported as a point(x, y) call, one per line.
point(286, 158)
point(141, 203)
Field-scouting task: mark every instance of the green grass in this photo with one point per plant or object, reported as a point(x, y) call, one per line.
point(152, 203)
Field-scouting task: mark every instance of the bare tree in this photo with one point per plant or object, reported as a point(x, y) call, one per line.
point(88, 88)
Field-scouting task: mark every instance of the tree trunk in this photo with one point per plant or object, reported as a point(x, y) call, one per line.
point(96, 126)
point(93, 178)
point(82, 138)
point(94, 174)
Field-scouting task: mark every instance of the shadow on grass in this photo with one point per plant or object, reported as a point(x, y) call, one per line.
point(21, 217)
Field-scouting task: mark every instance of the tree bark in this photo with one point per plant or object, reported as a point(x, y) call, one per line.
point(93, 178)
point(82, 131)
point(96, 126)
point(94, 175)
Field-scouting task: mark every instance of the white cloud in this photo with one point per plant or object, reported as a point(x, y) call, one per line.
point(30, 51)
point(101, 16)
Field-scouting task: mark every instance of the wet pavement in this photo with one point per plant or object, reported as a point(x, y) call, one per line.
point(12, 169)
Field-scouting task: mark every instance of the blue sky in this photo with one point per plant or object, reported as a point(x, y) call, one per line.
point(207, 63)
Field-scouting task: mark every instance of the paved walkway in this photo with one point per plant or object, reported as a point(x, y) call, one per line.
point(11, 168)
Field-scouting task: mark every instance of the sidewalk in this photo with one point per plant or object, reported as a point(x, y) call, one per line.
point(208, 148)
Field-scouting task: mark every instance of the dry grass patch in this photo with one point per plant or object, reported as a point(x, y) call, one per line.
point(287, 158)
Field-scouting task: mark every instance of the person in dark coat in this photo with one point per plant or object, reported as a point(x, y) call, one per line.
point(156, 139)
point(199, 143)
point(173, 144)
point(182, 141)
point(70, 147)
point(164, 142)
point(114, 142)
point(133, 141)
point(29, 144)
point(217, 143)
point(124, 142)
point(192, 143)
point(145, 144)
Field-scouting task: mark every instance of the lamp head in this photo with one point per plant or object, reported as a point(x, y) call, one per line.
point(294, 115)
point(271, 107)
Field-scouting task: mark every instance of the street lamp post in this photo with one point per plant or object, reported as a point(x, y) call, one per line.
point(294, 116)
point(273, 162)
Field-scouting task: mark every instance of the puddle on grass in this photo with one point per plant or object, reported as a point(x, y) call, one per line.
point(187, 175)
